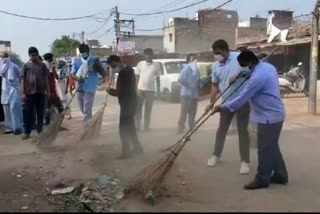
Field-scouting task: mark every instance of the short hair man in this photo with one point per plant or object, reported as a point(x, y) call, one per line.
point(35, 89)
point(268, 112)
point(190, 80)
point(148, 71)
point(55, 92)
point(126, 93)
point(223, 71)
point(85, 71)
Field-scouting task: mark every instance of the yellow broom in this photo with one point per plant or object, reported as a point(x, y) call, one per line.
point(94, 125)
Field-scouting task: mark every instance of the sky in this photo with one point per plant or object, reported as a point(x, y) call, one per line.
point(24, 33)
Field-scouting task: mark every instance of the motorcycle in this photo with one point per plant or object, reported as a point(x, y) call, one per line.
point(293, 82)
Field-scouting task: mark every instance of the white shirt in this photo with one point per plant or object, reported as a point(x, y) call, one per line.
point(148, 73)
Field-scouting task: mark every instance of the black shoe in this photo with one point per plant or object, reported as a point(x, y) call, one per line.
point(7, 132)
point(277, 179)
point(255, 185)
point(18, 132)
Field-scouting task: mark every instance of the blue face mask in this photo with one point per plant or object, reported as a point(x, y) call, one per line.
point(85, 55)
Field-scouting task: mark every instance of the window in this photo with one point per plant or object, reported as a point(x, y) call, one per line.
point(170, 37)
point(174, 67)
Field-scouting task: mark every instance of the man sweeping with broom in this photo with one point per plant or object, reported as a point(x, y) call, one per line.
point(85, 71)
point(268, 112)
point(127, 96)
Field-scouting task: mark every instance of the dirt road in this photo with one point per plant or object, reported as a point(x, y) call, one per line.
point(27, 171)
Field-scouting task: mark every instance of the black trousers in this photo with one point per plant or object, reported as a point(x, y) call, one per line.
point(128, 132)
point(34, 103)
point(269, 156)
point(243, 115)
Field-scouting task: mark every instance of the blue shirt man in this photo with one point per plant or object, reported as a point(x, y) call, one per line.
point(86, 72)
point(224, 70)
point(91, 81)
point(267, 110)
point(190, 80)
point(190, 74)
point(264, 95)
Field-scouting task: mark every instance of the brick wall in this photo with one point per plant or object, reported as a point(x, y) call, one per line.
point(195, 36)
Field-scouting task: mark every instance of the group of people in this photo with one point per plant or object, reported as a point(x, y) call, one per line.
point(29, 94)
point(248, 86)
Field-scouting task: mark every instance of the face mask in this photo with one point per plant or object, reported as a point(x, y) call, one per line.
point(116, 70)
point(218, 57)
point(5, 60)
point(245, 70)
point(84, 55)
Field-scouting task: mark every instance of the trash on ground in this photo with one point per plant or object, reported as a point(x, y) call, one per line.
point(62, 191)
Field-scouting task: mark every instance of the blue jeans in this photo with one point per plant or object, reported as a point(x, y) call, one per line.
point(269, 156)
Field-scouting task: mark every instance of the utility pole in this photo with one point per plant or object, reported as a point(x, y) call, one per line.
point(117, 27)
point(82, 37)
point(123, 35)
point(314, 61)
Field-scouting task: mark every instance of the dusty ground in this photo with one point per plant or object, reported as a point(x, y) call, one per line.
point(27, 170)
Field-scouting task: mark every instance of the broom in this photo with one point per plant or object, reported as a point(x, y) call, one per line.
point(212, 103)
point(50, 134)
point(148, 182)
point(94, 125)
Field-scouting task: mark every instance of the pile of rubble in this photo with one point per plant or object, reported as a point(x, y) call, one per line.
point(90, 197)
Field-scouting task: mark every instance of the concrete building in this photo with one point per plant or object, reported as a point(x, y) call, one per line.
point(184, 35)
point(5, 46)
point(252, 30)
point(149, 41)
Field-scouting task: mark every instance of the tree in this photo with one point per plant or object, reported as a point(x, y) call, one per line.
point(15, 58)
point(63, 46)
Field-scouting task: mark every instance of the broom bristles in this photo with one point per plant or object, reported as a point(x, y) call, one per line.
point(49, 135)
point(149, 181)
point(94, 125)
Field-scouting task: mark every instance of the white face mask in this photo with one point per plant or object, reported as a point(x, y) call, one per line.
point(245, 70)
point(218, 57)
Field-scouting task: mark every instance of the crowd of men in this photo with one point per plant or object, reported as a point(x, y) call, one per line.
point(247, 84)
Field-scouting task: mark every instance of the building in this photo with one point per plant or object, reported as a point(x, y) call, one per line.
point(254, 29)
point(5, 46)
point(285, 54)
point(149, 41)
point(184, 35)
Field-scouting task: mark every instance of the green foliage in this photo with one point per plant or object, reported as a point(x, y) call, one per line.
point(15, 58)
point(63, 46)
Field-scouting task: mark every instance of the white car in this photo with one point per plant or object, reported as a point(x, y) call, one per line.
point(170, 71)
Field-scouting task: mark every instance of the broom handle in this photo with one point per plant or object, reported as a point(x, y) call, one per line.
point(75, 93)
point(212, 103)
point(187, 138)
